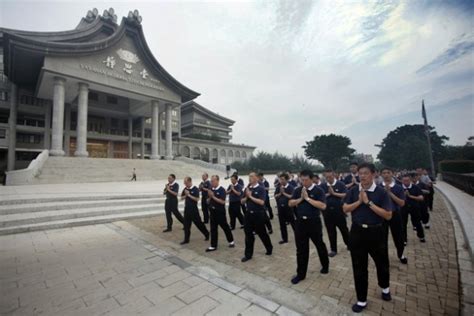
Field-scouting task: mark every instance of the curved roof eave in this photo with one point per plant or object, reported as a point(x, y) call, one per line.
point(204, 110)
point(14, 41)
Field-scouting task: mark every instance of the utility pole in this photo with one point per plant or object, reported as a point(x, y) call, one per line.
point(427, 132)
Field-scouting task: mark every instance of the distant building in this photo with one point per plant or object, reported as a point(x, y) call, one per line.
point(98, 91)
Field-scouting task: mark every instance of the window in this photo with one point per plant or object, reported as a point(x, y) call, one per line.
point(28, 138)
point(148, 120)
point(112, 100)
point(3, 95)
point(93, 96)
point(174, 124)
point(3, 133)
point(174, 113)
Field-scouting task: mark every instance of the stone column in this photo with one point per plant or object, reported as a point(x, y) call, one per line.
point(130, 137)
point(58, 117)
point(142, 144)
point(47, 126)
point(12, 128)
point(169, 133)
point(155, 109)
point(82, 104)
point(160, 128)
point(67, 128)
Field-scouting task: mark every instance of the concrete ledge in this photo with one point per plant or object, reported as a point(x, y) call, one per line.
point(460, 206)
point(26, 176)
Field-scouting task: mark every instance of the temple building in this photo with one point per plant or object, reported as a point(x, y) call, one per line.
point(98, 91)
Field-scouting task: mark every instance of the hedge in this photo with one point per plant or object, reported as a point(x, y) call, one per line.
point(456, 166)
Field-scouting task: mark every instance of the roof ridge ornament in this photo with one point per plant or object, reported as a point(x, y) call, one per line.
point(92, 15)
point(110, 15)
point(134, 16)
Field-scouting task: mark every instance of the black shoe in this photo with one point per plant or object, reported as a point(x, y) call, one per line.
point(245, 259)
point(296, 279)
point(386, 297)
point(167, 230)
point(270, 232)
point(211, 249)
point(269, 252)
point(206, 222)
point(242, 227)
point(207, 238)
point(324, 270)
point(283, 242)
point(332, 254)
point(184, 242)
point(232, 244)
point(404, 260)
point(422, 240)
point(356, 308)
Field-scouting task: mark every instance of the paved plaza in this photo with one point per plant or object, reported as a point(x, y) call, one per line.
point(132, 267)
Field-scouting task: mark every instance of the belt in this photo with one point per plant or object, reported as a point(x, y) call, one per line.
point(307, 217)
point(366, 226)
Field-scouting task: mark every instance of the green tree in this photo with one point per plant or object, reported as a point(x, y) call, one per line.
point(406, 147)
point(333, 151)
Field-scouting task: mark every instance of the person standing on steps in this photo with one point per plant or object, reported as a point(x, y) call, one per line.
point(171, 203)
point(190, 195)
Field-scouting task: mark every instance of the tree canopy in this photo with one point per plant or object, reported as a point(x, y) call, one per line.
point(264, 161)
point(332, 150)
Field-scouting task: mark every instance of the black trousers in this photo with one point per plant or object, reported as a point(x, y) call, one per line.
point(364, 242)
point(334, 217)
point(205, 209)
point(430, 198)
point(307, 229)
point(396, 228)
point(219, 218)
point(255, 222)
point(424, 213)
point(191, 215)
point(268, 207)
point(244, 208)
point(414, 213)
point(235, 213)
point(171, 207)
point(285, 216)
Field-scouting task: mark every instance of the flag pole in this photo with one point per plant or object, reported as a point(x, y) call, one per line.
point(427, 133)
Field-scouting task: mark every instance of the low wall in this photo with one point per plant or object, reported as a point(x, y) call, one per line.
point(26, 176)
point(207, 165)
point(461, 181)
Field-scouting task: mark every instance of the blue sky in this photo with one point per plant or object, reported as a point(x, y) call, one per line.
point(289, 70)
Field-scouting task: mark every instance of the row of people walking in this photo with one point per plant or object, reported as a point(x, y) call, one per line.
point(376, 206)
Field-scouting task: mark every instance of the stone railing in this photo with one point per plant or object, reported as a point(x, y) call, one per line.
point(204, 164)
point(464, 182)
point(27, 176)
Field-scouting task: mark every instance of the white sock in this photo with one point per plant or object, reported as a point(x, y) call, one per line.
point(231, 243)
point(386, 291)
point(212, 248)
point(403, 257)
point(361, 303)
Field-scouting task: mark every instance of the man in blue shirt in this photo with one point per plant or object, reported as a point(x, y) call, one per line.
point(234, 191)
point(255, 217)
point(204, 187)
point(397, 196)
point(369, 206)
point(309, 201)
point(171, 203)
point(413, 198)
point(283, 193)
point(334, 216)
point(261, 179)
point(218, 214)
point(352, 179)
point(190, 195)
point(425, 190)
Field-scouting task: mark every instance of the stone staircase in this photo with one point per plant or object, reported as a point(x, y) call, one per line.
point(17, 216)
point(84, 170)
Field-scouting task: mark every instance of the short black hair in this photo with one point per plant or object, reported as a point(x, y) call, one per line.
point(316, 176)
point(307, 173)
point(234, 176)
point(260, 174)
point(172, 175)
point(386, 168)
point(285, 176)
point(328, 171)
point(188, 178)
point(353, 163)
point(367, 165)
point(216, 176)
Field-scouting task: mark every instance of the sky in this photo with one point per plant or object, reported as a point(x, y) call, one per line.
point(286, 71)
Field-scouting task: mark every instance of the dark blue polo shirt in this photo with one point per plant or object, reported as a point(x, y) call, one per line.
point(293, 183)
point(348, 179)
point(267, 187)
point(334, 202)
point(219, 192)
point(174, 188)
point(399, 193)
point(206, 185)
point(232, 196)
point(306, 209)
point(241, 182)
point(258, 192)
point(188, 202)
point(282, 201)
point(414, 190)
point(363, 214)
point(423, 186)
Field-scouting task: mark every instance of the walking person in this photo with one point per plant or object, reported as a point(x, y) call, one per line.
point(255, 217)
point(190, 195)
point(397, 196)
point(171, 203)
point(204, 188)
point(425, 190)
point(266, 185)
point(134, 175)
point(413, 198)
point(352, 178)
point(309, 201)
point(334, 216)
point(234, 191)
point(218, 214)
point(283, 193)
point(369, 206)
